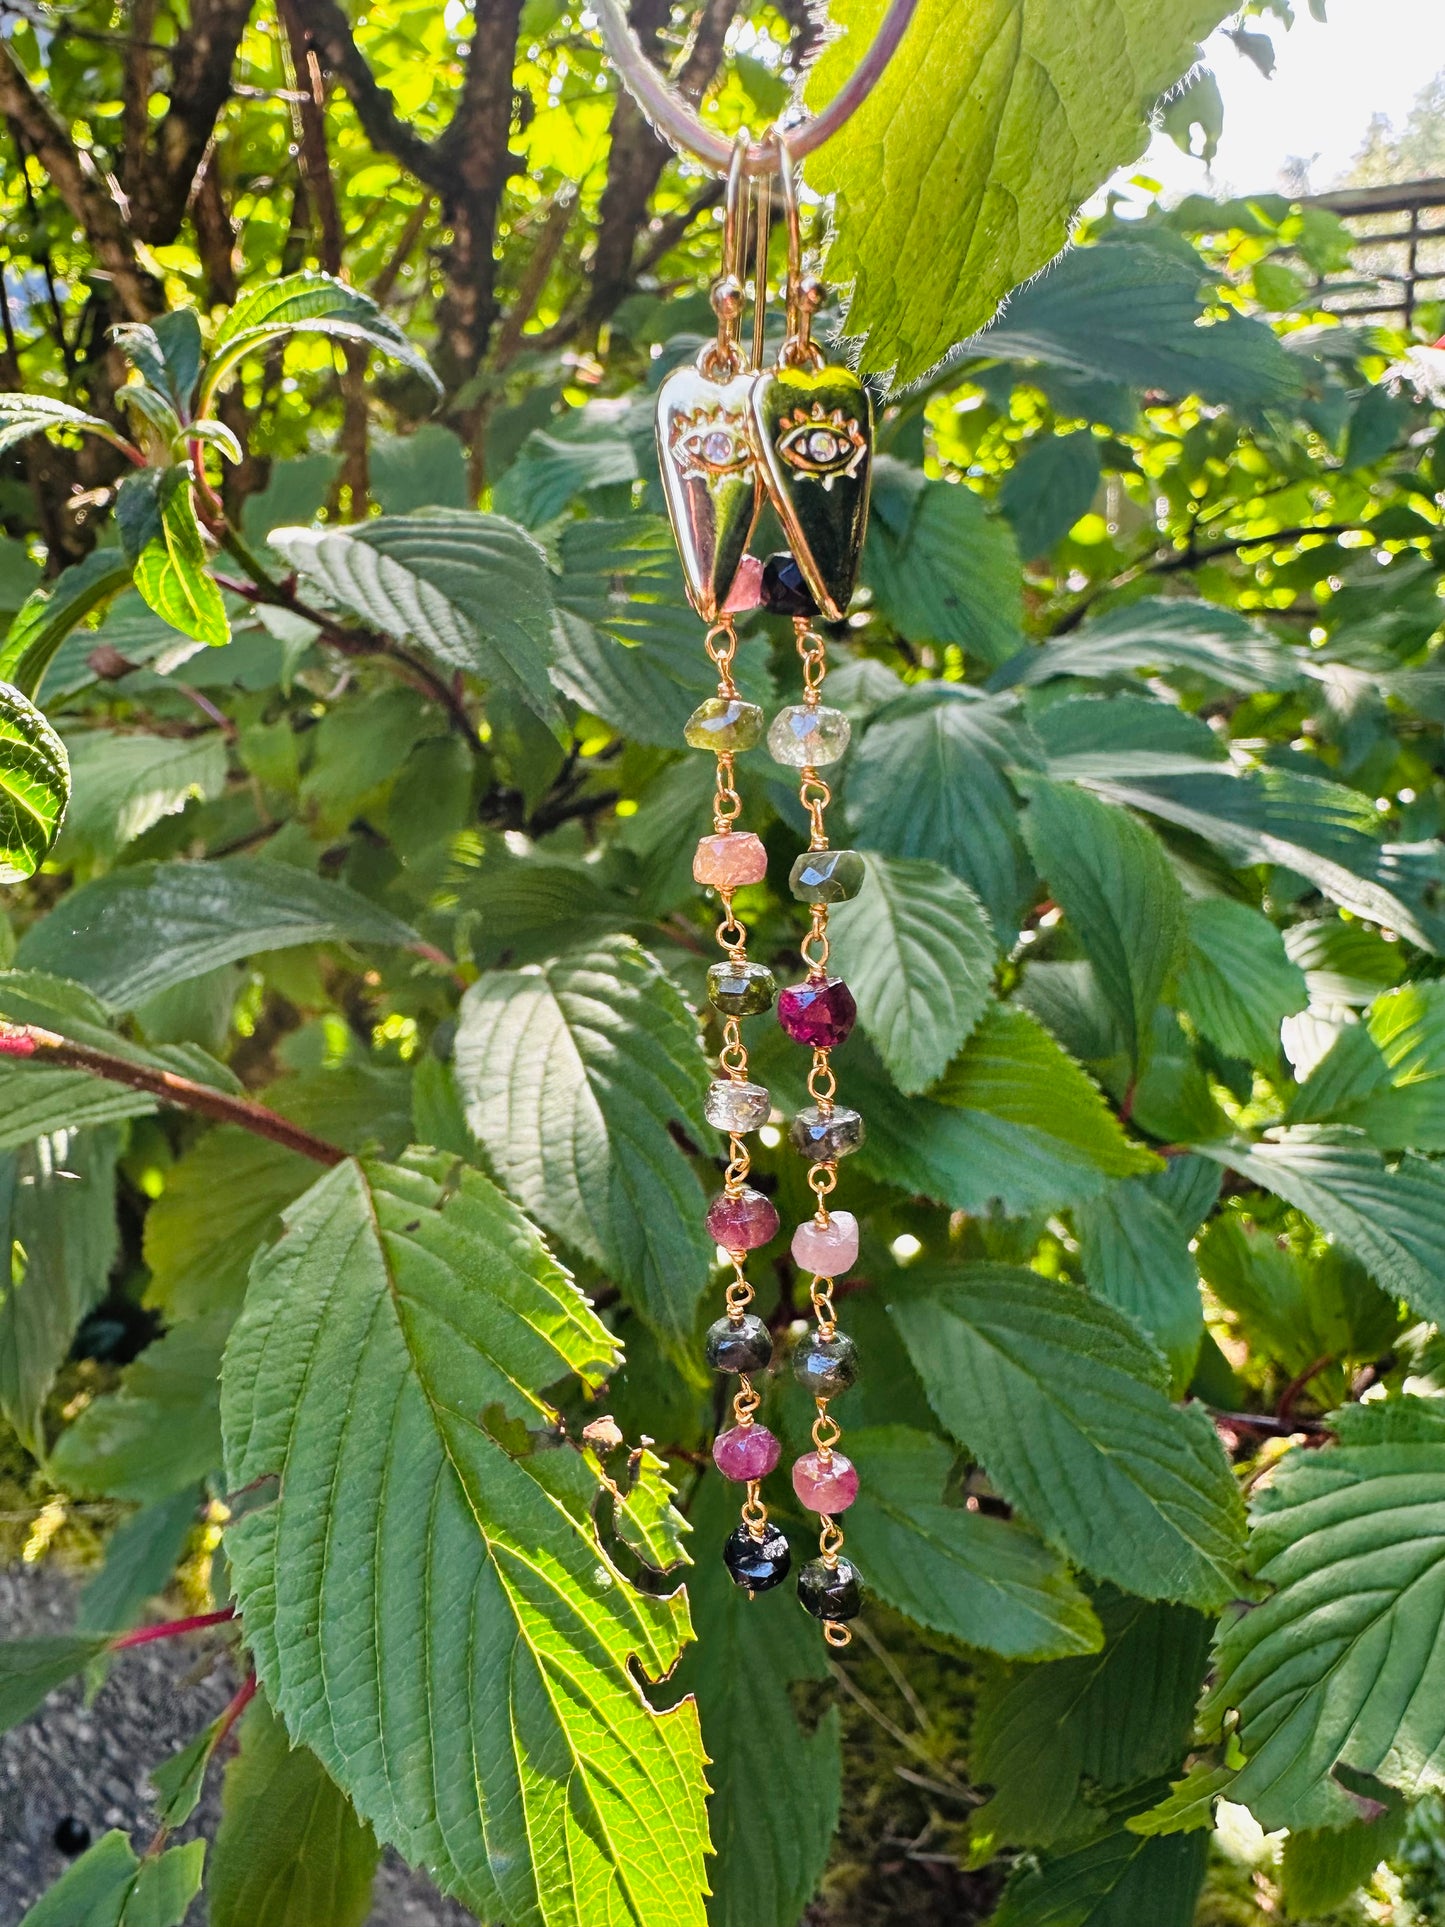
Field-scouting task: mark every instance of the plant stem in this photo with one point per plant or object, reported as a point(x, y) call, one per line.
point(29, 1040)
point(172, 1629)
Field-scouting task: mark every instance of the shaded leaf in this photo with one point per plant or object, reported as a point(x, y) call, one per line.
point(34, 786)
point(1116, 1881)
point(47, 616)
point(160, 1432)
point(125, 784)
point(1238, 984)
point(305, 303)
point(941, 568)
point(1158, 634)
point(109, 1887)
point(140, 1557)
point(1051, 486)
point(31, 1669)
point(1135, 1253)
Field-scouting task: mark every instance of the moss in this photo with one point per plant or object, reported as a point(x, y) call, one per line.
point(37, 1519)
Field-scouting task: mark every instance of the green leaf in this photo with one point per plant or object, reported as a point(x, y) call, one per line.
point(1119, 894)
point(36, 1101)
point(47, 616)
point(1407, 1027)
point(1052, 485)
point(927, 780)
point(385, 1360)
point(774, 1806)
point(1129, 309)
point(917, 951)
point(34, 786)
point(170, 567)
point(1320, 1871)
point(222, 1201)
point(1341, 1668)
point(290, 1851)
point(1156, 634)
point(58, 1241)
point(160, 1431)
point(138, 931)
point(572, 1073)
point(986, 1582)
point(585, 450)
point(125, 784)
point(178, 1781)
point(470, 590)
point(109, 1887)
point(25, 415)
point(644, 1514)
point(1135, 1253)
point(960, 175)
point(1057, 1742)
point(140, 1557)
point(305, 303)
point(1065, 1405)
point(1238, 984)
point(425, 469)
point(1189, 1805)
point(1116, 1881)
point(1013, 1071)
point(31, 1669)
point(941, 568)
point(1392, 1219)
point(1107, 736)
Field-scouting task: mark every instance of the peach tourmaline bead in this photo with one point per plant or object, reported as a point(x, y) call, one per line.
point(728, 861)
point(828, 1250)
point(824, 1485)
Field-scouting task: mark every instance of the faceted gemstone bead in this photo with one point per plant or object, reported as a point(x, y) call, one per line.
point(736, 1107)
point(826, 1366)
point(828, 1250)
point(747, 590)
point(742, 1223)
point(728, 860)
point(831, 1592)
point(826, 876)
point(724, 724)
point(740, 989)
point(819, 1013)
point(746, 1452)
point(785, 592)
point(758, 1564)
point(739, 1344)
point(825, 1138)
point(824, 1485)
point(808, 736)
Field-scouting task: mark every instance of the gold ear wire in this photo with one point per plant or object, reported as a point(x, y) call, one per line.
point(805, 292)
point(729, 292)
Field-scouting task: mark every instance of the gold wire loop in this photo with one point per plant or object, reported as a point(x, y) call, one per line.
point(725, 357)
point(731, 935)
point(837, 1634)
point(722, 656)
point(799, 349)
point(823, 1308)
point(739, 1292)
point(815, 797)
point(830, 1543)
point(822, 1084)
point(826, 1431)
point(821, 1180)
point(746, 1401)
point(814, 947)
point(754, 1512)
point(813, 652)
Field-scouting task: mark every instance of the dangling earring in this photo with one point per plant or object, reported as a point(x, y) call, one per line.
point(714, 491)
point(813, 428)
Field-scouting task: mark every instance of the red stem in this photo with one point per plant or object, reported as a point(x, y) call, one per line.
point(245, 1693)
point(171, 1629)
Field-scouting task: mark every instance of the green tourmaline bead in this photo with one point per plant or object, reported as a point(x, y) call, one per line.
point(725, 725)
point(808, 736)
point(827, 876)
point(741, 989)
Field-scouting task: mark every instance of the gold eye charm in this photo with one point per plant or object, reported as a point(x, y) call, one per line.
point(824, 446)
point(712, 443)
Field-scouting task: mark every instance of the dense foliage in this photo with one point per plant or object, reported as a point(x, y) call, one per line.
point(349, 1017)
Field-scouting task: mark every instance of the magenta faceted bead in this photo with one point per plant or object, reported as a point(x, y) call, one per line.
point(824, 1485)
point(827, 1249)
point(742, 1223)
point(819, 1013)
point(727, 861)
point(747, 1452)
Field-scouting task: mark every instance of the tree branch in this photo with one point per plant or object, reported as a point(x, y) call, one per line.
point(30, 1040)
point(200, 85)
point(329, 32)
point(73, 174)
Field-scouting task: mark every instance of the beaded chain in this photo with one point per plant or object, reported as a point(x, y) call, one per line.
point(801, 433)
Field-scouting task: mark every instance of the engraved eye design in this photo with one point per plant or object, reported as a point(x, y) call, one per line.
point(712, 445)
point(823, 446)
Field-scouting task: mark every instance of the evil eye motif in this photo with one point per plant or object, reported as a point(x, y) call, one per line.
point(712, 443)
point(824, 446)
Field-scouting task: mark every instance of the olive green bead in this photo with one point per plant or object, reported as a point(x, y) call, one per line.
point(740, 989)
point(827, 876)
point(725, 725)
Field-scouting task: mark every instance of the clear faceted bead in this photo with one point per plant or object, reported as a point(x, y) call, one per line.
point(724, 724)
point(824, 1138)
point(736, 1107)
point(808, 736)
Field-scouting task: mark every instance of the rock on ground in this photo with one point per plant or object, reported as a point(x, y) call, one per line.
point(90, 1764)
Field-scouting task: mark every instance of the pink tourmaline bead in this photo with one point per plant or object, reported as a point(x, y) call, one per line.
point(747, 1452)
point(827, 1486)
point(742, 1223)
point(819, 1013)
point(827, 1249)
point(726, 862)
point(747, 590)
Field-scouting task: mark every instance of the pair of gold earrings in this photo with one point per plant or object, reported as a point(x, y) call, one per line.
point(732, 435)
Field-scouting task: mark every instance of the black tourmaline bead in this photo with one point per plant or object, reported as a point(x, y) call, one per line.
point(758, 1564)
point(739, 1344)
point(831, 1592)
point(825, 1366)
point(785, 593)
